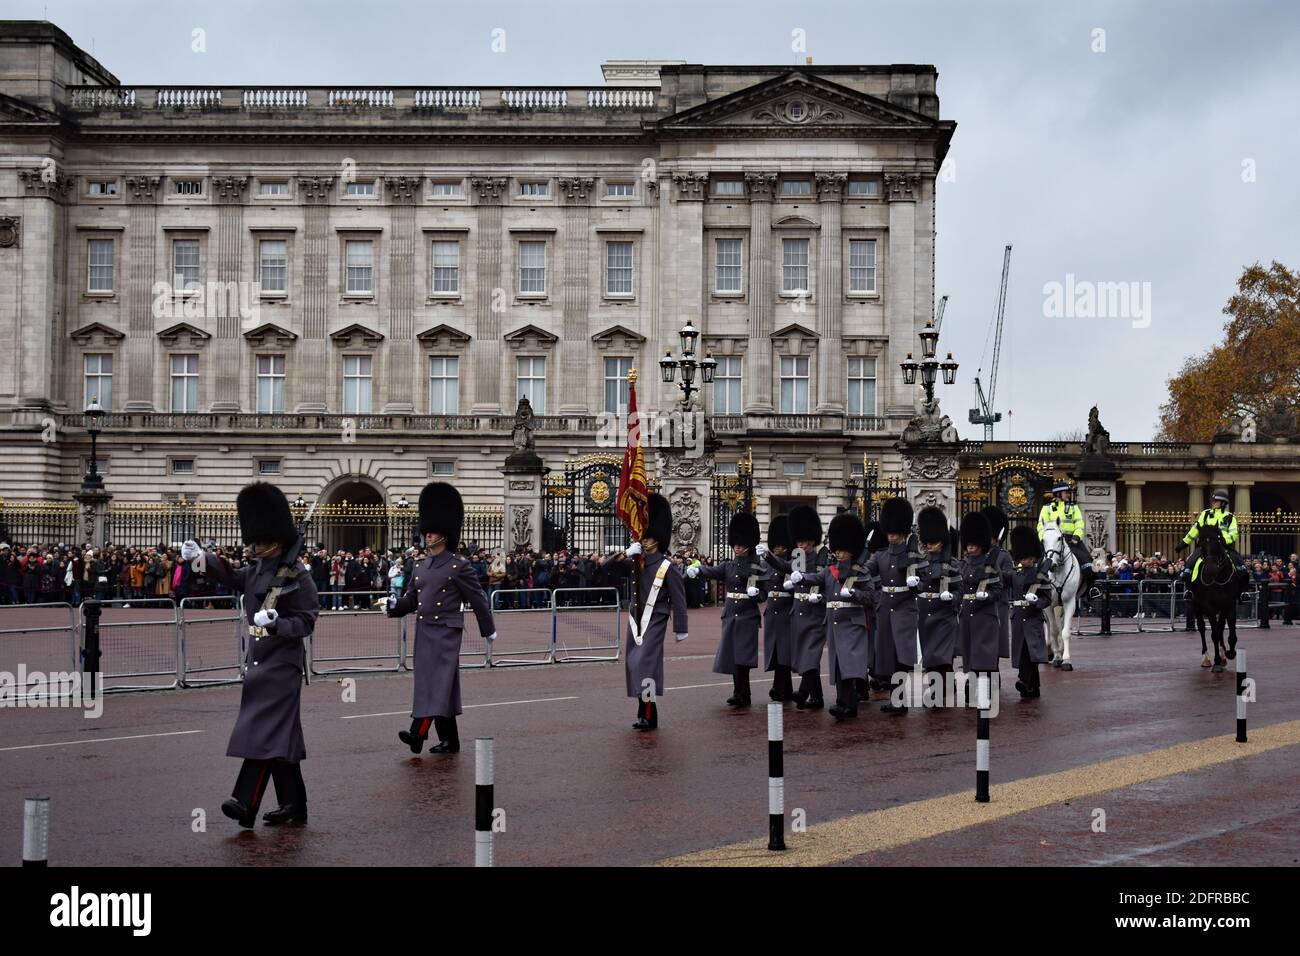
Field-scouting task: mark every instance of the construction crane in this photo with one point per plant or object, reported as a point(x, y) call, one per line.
point(938, 314)
point(984, 415)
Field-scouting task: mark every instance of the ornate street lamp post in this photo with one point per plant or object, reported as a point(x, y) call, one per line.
point(93, 480)
point(688, 365)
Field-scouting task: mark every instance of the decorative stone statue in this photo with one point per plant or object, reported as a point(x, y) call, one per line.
point(1097, 442)
point(1278, 424)
point(931, 426)
point(521, 435)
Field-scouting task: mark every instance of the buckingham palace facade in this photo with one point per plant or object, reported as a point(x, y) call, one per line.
point(346, 291)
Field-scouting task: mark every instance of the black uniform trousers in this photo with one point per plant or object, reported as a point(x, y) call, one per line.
point(250, 785)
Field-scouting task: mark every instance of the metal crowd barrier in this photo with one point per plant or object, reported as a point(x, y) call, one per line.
point(1280, 603)
point(212, 632)
point(40, 638)
point(139, 639)
point(591, 629)
point(357, 640)
point(525, 628)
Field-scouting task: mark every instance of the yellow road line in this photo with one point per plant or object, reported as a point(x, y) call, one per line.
point(837, 841)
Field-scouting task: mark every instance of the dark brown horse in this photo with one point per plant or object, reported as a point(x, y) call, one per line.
point(1215, 593)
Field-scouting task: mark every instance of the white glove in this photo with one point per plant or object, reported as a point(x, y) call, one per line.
point(692, 570)
point(752, 592)
point(945, 596)
point(982, 595)
point(266, 618)
point(814, 597)
point(913, 580)
point(680, 637)
point(789, 585)
point(761, 550)
point(845, 592)
point(1031, 598)
point(391, 604)
point(190, 550)
point(491, 637)
point(796, 577)
point(633, 549)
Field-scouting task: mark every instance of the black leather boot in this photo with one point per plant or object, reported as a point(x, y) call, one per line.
point(250, 785)
point(290, 791)
point(448, 736)
point(417, 735)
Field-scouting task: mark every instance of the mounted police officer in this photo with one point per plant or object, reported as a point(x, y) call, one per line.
point(778, 649)
point(281, 605)
point(894, 575)
point(662, 595)
point(1217, 515)
point(1068, 516)
point(737, 652)
point(439, 585)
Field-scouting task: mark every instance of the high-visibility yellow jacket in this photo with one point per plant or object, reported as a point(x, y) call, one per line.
point(1225, 519)
point(1069, 518)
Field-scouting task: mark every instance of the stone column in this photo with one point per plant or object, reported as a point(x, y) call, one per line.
point(683, 281)
point(490, 296)
point(227, 252)
point(1098, 502)
point(399, 349)
point(757, 381)
point(1133, 496)
point(1195, 497)
point(575, 342)
point(522, 497)
point(831, 383)
point(313, 359)
point(902, 190)
point(930, 476)
point(34, 350)
point(92, 510)
point(1241, 508)
point(143, 193)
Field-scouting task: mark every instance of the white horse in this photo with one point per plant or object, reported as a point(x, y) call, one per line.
point(1067, 581)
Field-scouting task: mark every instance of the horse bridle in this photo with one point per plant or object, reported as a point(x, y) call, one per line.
point(1060, 588)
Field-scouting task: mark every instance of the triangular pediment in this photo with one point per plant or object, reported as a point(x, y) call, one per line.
point(797, 100)
point(359, 332)
point(618, 331)
point(524, 332)
point(172, 334)
point(794, 328)
point(270, 332)
point(443, 331)
point(87, 334)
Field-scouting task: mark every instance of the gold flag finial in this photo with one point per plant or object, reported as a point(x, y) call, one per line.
point(631, 376)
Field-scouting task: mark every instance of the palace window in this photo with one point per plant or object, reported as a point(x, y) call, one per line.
point(444, 385)
point(794, 265)
point(862, 265)
point(102, 187)
point(532, 268)
point(616, 388)
point(267, 467)
point(185, 265)
point(446, 267)
point(98, 378)
point(794, 385)
point(356, 384)
point(620, 189)
point(861, 188)
point(361, 189)
point(540, 190)
point(796, 187)
point(442, 469)
point(360, 266)
point(728, 187)
point(273, 263)
point(727, 267)
point(274, 189)
point(862, 386)
point(188, 187)
point(99, 265)
point(270, 384)
point(531, 377)
point(794, 469)
point(726, 385)
point(185, 383)
point(618, 268)
point(447, 190)
point(183, 466)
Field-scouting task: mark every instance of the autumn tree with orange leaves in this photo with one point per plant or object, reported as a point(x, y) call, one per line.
point(1257, 363)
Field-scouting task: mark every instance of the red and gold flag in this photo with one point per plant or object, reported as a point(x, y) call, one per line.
point(633, 494)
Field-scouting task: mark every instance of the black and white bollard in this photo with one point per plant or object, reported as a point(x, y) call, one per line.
point(1241, 696)
point(982, 740)
point(775, 777)
point(36, 831)
point(483, 783)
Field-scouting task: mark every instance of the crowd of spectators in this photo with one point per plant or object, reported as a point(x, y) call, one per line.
point(1272, 574)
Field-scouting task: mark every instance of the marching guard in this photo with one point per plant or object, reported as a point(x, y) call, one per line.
point(644, 662)
point(997, 519)
point(808, 617)
point(778, 648)
point(849, 595)
point(894, 575)
point(737, 652)
point(981, 583)
point(280, 605)
point(936, 602)
point(1028, 639)
point(439, 585)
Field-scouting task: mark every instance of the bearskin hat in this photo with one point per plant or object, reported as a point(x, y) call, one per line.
point(805, 525)
point(954, 540)
point(1025, 543)
point(660, 523)
point(976, 530)
point(896, 516)
point(743, 530)
point(264, 515)
point(931, 525)
point(876, 540)
point(778, 533)
point(846, 533)
point(442, 512)
point(997, 519)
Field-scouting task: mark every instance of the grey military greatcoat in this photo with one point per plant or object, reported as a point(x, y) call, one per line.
point(981, 627)
point(778, 647)
point(895, 631)
point(937, 619)
point(439, 585)
point(846, 620)
point(807, 618)
point(740, 614)
point(1027, 623)
point(646, 660)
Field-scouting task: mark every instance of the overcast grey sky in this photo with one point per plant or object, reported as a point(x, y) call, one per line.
point(1122, 165)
